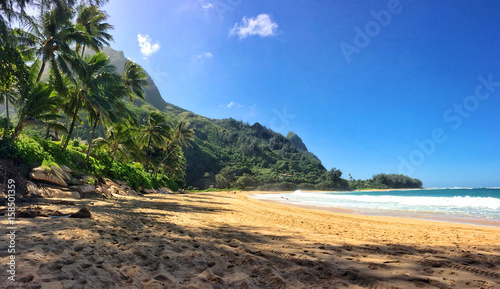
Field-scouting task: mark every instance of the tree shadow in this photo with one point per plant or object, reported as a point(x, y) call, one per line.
point(139, 242)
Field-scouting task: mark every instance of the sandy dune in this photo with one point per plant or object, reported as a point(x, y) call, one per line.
point(226, 240)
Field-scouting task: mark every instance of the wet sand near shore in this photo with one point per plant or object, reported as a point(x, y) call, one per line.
point(229, 240)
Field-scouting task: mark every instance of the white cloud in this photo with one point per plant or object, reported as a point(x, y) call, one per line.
point(204, 55)
point(147, 47)
point(208, 6)
point(261, 25)
point(230, 104)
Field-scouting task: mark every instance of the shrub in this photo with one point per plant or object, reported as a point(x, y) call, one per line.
point(287, 186)
point(31, 151)
point(244, 181)
point(7, 148)
point(306, 186)
point(36, 151)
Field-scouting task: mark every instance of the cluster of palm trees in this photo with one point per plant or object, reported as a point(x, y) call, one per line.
point(50, 80)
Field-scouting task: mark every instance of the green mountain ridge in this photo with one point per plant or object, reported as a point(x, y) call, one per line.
point(234, 149)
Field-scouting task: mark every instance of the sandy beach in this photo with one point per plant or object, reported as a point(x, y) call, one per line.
point(228, 240)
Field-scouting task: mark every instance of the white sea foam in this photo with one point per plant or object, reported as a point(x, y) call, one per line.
point(460, 205)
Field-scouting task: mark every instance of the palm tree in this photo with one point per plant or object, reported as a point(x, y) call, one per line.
point(91, 20)
point(134, 78)
point(14, 71)
point(7, 98)
point(49, 36)
point(154, 132)
point(121, 143)
point(92, 87)
point(107, 107)
point(111, 106)
point(182, 136)
point(35, 106)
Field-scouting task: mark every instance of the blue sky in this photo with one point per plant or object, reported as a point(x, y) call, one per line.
point(371, 87)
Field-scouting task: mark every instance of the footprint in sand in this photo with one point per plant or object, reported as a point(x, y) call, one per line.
point(26, 279)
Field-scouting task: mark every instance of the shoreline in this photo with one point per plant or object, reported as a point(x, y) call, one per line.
point(230, 240)
point(432, 217)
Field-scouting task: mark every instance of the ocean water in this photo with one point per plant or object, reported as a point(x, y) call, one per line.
point(465, 205)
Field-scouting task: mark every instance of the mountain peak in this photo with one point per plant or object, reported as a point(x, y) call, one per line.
point(296, 141)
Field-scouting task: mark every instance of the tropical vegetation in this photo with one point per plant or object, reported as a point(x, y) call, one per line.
point(56, 78)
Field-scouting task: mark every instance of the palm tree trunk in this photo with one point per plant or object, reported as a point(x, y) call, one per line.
point(63, 137)
point(147, 155)
point(47, 132)
point(66, 142)
point(7, 109)
point(83, 50)
point(18, 130)
point(155, 171)
point(41, 72)
point(91, 139)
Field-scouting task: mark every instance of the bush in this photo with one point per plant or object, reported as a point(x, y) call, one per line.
point(287, 186)
point(244, 181)
point(7, 148)
point(306, 186)
point(31, 151)
point(38, 151)
point(221, 181)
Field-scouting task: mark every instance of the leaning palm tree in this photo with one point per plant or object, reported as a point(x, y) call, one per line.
point(181, 136)
point(36, 106)
point(135, 79)
point(154, 133)
point(94, 79)
point(107, 106)
point(132, 85)
point(49, 37)
point(92, 20)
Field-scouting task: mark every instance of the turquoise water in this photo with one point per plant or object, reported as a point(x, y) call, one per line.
point(479, 204)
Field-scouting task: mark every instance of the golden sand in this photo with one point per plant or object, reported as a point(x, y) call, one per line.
point(228, 240)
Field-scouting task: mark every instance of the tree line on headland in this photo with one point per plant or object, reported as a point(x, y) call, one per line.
point(69, 99)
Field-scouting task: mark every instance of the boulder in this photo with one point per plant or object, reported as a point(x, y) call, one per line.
point(47, 175)
point(104, 191)
point(48, 192)
point(130, 192)
point(66, 169)
point(32, 188)
point(83, 189)
point(82, 213)
point(121, 183)
point(60, 173)
point(165, 191)
point(113, 190)
point(149, 191)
